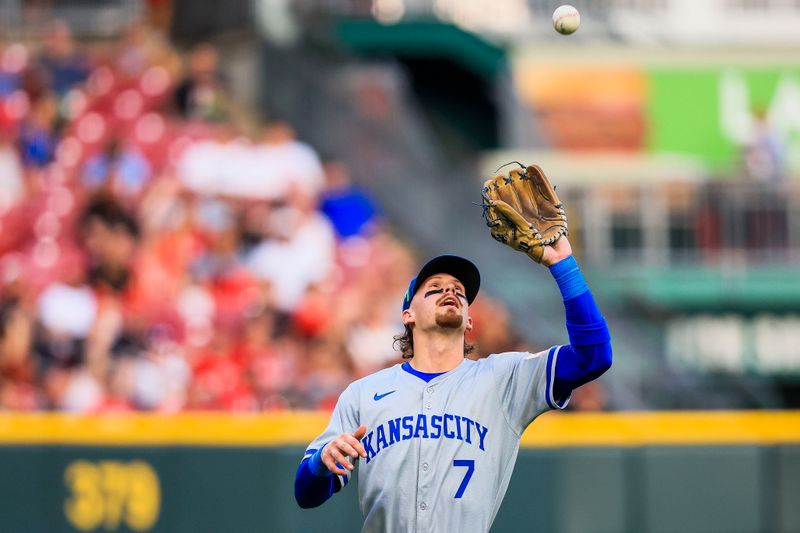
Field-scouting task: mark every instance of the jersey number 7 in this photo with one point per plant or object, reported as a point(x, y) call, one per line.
point(470, 464)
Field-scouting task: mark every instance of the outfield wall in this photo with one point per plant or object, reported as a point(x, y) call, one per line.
point(665, 472)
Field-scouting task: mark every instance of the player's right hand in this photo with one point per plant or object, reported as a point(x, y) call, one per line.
point(342, 449)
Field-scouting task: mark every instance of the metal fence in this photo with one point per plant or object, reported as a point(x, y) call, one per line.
point(710, 223)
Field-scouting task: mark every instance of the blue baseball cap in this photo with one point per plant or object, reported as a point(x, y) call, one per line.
point(458, 267)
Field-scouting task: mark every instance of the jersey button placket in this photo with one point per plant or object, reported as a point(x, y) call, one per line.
point(426, 449)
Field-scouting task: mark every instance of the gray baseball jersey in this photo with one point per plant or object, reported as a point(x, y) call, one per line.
point(440, 454)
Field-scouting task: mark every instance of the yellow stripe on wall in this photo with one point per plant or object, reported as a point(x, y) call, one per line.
point(663, 428)
point(190, 429)
point(300, 428)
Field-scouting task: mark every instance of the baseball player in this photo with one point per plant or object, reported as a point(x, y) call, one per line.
point(436, 437)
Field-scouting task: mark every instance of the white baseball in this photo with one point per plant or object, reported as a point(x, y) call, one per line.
point(566, 19)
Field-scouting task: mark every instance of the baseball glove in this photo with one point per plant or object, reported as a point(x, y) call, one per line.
point(523, 210)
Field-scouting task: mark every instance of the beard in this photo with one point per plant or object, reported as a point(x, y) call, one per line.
point(449, 319)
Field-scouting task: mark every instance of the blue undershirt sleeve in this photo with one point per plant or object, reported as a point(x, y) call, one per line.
point(589, 353)
point(314, 484)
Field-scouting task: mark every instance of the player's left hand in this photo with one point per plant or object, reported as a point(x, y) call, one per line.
point(524, 212)
point(344, 450)
point(553, 253)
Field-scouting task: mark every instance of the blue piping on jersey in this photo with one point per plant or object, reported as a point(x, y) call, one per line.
point(554, 401)
point(424, 376)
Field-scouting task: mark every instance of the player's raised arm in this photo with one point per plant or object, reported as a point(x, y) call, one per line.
point(588, 354)
point(524, 212)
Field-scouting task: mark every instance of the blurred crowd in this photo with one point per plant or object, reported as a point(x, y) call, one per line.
point(161, 250)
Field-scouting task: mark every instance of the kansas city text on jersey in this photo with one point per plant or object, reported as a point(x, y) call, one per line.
point(420, 426)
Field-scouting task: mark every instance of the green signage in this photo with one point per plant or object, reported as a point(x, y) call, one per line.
point(711, 112)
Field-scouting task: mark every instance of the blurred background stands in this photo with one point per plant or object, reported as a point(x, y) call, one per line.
point(206, 210)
